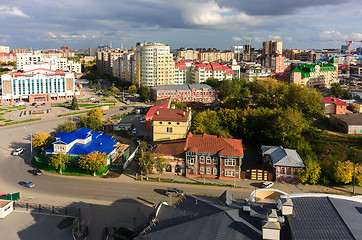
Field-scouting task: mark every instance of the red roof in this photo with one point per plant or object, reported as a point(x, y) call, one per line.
point(153, 110)
point(174, 148)
point(212, 144)
point(181, 66)
point(43, 69)
point(334, 100)
point(175, 115)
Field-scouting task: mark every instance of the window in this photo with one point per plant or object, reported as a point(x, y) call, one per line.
point(289, 171)
point(201, 170)
point(282, 170)
point(229, 173)
point(214, 171)
point(160, 122)
point(202, 159)
point(229, 162)
point(169, 129)
point(191, 160)
point(215, 161)
point(208, 160)
point(208, 170)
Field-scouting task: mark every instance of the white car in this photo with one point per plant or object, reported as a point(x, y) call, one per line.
point(134, 131)
point(17, 151)
point(267, 184)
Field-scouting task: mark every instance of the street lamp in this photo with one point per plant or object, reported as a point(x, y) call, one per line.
point(31, 141)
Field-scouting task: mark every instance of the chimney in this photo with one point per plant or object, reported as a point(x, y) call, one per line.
point(184, 113)
point(157, 112)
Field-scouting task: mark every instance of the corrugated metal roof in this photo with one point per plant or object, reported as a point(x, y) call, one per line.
point(282, 156)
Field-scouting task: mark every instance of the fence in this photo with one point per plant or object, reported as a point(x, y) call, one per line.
point(47, 209)
point(11, 197)
point(125, 165)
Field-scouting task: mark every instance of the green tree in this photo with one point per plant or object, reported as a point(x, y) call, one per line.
point(336, 90)
point(160, 164)
point(144, 92)
point(146, 163)
point(91, 84)
point(59, 161)
point(93, 120)
point(74, 105)
point(98, 86)
point(132, 89)
point(93, 162)
point(113, 90)
point(311, 172)
point(179, 105)
point(213, 82)
point(67, 126)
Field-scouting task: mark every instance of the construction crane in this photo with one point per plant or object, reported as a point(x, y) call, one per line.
point(349, 50)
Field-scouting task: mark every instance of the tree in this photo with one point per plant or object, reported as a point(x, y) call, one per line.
point(93, 162)
point(67, 126)
point(343, 172)
point(98, 86)
point(144, 92)
point(160, 164)
point(132, 89)
point(179, 105)
point(146, 163)
point(41, 139)
point(59, 161)
point(311, 172)
point(74, 105)
point(113, 90)
point(336, 90)
point(91, 84)
point(93, 120)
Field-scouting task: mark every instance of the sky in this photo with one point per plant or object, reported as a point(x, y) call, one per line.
point(303, 24)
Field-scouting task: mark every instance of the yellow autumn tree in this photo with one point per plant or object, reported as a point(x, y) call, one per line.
point(343, 172)
point(93, 162)
point(40, 139)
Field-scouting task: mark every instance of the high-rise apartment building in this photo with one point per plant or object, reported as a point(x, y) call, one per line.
point(154, 65)
point(273, 57)
point(272, 47)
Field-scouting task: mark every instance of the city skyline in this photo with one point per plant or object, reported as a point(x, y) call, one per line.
point(211, 24)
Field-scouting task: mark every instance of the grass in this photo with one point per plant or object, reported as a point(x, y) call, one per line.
point(3, 109)
point(87, 104)
point(69, 171)
point(72, 113)
point(24, 121)
point(59, 105)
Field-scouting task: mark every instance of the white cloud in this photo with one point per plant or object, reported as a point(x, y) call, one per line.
point(259, 39)
point(332, 35)
point(356, 36)
point(289, 38)
point(7, 11)
point(274, 37)
point(237, 39)
point(52, 35)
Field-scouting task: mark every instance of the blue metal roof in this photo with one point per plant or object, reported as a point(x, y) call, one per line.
point(99, 142)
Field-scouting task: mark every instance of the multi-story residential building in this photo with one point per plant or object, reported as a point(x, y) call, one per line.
point(154, 65)
point(333, 105)
point(315, 75)
point(200, 72)
point(216, 56)
point(170, 124)
point(273, 47)
point(62, 63)
point(213, 157)
point(221, 72)
point(4, 49)
point(185, 93)
point(273, 57)
point(7, 57)
point(235, 69)
point(106, 58)
point(188, 55)
point(19, 50)
point(38, 83)
point(284, 162)
point(180, 73)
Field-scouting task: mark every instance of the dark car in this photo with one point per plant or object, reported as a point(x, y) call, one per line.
point(174, 191)
point(27, 184)
point(35, 172)
point(123, 108)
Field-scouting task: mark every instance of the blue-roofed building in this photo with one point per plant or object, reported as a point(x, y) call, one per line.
point(283, 162)
point(82, 142)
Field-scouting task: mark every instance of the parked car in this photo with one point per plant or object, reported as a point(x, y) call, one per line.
point(27, 184)
point(142, 120)
point(267, 184)
point(17, 151)
point(174, 191)
point(134, 131)
point(35, 172)
point(96, 102)
point(123, 108)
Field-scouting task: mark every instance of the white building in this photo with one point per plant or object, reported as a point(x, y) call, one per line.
point(62, 63)
point(38, 83)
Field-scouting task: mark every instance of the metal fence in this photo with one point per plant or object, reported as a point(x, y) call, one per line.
point(47, 209)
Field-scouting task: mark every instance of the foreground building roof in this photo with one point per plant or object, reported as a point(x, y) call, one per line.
point(282, 156)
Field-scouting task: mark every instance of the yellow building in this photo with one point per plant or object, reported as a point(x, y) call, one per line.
point(154, 65)
point(188, 55)
point(170, 124)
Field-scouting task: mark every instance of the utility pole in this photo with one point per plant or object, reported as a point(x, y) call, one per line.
point(354, 177)
point(31, 142)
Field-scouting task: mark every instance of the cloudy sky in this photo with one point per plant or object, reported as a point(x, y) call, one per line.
point(303, 24)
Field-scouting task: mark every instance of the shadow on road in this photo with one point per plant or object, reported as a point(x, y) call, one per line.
point(160, 191)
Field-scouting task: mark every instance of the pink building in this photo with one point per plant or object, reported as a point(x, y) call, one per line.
point(284, 162)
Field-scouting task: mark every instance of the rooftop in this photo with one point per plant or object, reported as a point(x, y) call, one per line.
point(175, 115)
point(171, 148)
point(183, 87)
point(212, 144)
point(334, 100)
point(282, 156)
point(350, 119)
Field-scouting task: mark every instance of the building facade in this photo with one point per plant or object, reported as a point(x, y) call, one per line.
point(333, 105)
point(171, 124)
point(154, 65)
point(213, 157)
point(185, 93)
point(38, 83)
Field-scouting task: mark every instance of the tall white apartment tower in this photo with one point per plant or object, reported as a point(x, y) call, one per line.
point(154, 65)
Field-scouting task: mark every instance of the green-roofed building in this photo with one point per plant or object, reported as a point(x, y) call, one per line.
point(316, 75)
